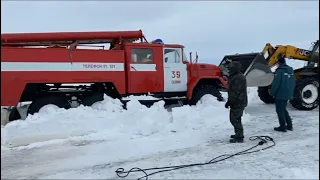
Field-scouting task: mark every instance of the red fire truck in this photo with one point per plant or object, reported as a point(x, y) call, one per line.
point(51, 68)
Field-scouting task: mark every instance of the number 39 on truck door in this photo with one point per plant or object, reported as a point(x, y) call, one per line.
point(175, 72)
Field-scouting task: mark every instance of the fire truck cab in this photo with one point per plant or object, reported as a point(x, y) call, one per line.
point(62, 68)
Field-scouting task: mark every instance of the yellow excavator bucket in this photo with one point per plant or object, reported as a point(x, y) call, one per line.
point(254, 67)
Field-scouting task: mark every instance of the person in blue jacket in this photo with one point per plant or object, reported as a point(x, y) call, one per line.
point(282, 90)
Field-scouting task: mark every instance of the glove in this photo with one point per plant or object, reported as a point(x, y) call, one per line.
point(227, 105)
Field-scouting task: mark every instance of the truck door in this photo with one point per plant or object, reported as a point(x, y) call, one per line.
point(175, 72)
point(145, 69)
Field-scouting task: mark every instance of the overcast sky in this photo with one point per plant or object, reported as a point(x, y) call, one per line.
point(211, 28)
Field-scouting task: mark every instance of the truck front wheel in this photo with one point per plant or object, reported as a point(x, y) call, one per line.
point(59, 101)
point(203, 90)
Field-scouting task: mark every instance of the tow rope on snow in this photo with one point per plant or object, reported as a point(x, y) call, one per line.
point(263, 140)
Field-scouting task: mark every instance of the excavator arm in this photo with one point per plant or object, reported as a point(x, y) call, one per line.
point(257, 66)
point(290, 52)
point(257, 69)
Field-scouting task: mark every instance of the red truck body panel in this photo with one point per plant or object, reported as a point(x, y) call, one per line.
point(21, 65)
point(54, 65)
point(148, 76)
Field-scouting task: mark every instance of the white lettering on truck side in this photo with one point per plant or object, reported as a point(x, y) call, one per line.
point(61, 66)
point(95, 66)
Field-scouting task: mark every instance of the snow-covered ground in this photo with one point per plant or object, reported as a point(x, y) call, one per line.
point(92, 142)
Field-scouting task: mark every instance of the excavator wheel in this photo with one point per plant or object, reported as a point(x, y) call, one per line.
point(306, 95)
point(264, 95)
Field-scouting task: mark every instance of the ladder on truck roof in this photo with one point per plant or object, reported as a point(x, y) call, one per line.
point(68, 38)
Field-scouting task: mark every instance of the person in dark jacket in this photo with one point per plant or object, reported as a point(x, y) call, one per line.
point(237, 99)
point(282, 90)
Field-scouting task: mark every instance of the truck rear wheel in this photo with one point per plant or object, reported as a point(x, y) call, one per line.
point(264, 94)
point(203, 90)
point(93, 98)
point(306, 94)
point(60, 101)
point(14, 114)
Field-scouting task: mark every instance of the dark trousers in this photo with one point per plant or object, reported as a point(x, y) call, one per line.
point(283, 115)
point(235, 119)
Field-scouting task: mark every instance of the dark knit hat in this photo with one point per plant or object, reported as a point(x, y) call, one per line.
point(282, 60)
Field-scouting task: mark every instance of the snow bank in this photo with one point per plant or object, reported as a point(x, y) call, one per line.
point(108, 121)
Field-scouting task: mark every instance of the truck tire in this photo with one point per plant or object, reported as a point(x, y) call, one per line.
point(264, 95)
point(14, 114)
point(91, 99)
point(60, 101)
point(306, 94)
point(203, 90)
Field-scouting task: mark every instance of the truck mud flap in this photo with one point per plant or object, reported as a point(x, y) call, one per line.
point(254, 67)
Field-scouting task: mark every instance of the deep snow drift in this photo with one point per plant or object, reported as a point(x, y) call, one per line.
point(108, 121)
point(92, 142)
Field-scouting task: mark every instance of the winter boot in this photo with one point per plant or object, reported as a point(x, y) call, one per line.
point(289, 124)
point(233, 136)
point(280, 129)
point(236, 140)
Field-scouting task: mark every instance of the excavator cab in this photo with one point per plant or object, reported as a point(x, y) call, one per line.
point(253, 65)
point(314, 56)
point(311, 65)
